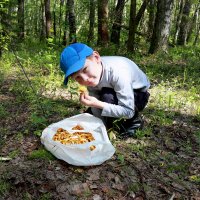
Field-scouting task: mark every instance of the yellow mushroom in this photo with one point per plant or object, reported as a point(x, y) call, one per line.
point(65, 137)
point(82, 89)
point(92, 147)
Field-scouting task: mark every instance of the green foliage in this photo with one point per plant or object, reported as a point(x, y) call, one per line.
point(162, 117)
point(195, 178)
point(146, 132)
point(120, 158)
point(38, 121)
point(86, 193)
point(134, 187)
point(41, 154)
point(3, 112)
point(179, 67)
point(174, 94)
point(174, 167)
point(13, 154)
point(46, 196)
point(138, 147)
point(4, 187)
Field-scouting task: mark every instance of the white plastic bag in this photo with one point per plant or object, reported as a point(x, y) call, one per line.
point(80, 154)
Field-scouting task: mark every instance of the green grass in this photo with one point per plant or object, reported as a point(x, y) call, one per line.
point(13, 154)
point(4, 187)
point(174, 92)
point(45, 197)
point(3, 111)
point(41, 154)
point(195, 178)
point(174, 78)
point(134, 187)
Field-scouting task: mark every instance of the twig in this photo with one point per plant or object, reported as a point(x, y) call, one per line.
point(172, 197)
point(5, 158)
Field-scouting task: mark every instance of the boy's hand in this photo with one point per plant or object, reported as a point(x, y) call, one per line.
point(90, 101)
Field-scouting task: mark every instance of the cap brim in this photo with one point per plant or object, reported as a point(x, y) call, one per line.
point(74, 68)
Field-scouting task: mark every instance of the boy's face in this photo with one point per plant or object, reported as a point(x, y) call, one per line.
point(91, 72)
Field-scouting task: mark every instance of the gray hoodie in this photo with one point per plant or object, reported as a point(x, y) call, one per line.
point(123, 75)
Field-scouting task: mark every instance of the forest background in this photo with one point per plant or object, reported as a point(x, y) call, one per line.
point(161, 36)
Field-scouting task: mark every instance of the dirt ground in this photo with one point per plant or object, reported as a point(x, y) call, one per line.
point(164, 165)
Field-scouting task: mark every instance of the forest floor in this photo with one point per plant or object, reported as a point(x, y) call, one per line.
point(162, 162)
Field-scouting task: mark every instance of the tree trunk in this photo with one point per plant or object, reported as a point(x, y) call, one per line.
point(43, 27)
point(184, 26)
point(64, 42)
point(4, 26)
point(60, 19)
point(92, 20)
point(72, 22)
point(116, 27)
point(2, 32)
point(20, 16)
point(197, 29)
point(151, 20)
point(54, 20)
point(197, 36)
point(47, 17)
point(132, 26)
point(178, 21)
point(103, 36)
point(193, 23)
point(141, 12)
point(161, 30)
point(37, 20)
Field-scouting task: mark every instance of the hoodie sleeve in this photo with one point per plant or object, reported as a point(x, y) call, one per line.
point(125, 95)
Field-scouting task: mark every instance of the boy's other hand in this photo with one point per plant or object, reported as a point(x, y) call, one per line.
point(87, 100)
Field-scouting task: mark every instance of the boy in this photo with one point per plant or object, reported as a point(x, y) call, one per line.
point(117, 87)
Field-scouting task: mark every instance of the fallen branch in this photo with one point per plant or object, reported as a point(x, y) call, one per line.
point(5, 158)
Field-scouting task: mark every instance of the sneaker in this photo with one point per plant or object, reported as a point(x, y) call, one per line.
point(130, 126)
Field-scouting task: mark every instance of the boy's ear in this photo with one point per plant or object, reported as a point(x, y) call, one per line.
point(97, 56)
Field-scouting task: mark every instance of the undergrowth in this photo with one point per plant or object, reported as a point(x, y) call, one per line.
point(43, 99)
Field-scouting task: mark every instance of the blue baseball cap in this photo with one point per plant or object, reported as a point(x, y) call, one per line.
point(73, 58)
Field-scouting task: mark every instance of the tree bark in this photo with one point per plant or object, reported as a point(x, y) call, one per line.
point(116, 27)
point(2, 31)
point(141, 12)
point(20, 16)
point(103, 36)
point(72, 22)
point(178, 21)
point(37, 20)
point(47, 17)
point(132, 26)
point(92, 20)
point(64, 42)
point(159, 40)
point(193, 23)
point(197, 29)
point(43, 27)
point(60, 19)
point(152, 15)
point(184, 26)
point(4, 26)
point(54, 20)
point(197, 36)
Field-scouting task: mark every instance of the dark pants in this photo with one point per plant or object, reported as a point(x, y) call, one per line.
point(141, 99)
